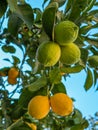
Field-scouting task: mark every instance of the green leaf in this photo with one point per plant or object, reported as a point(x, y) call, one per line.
point(13, 5)
point(3, 7)
point(89, 80)
point(84, 56)
point(8, 49)
point(95, 76)
point(23, 11)
point(4, 71)
point(55, 76)
point(44, 3)
point(14, 23)
point(38, 14)
point(39, 83)
point(48, 19)
point(25, 97)
point(89, 7)
point(93, 61)
point(74, 69)
point(77, 127)
point(60, 2)
point(59, 88)
point(16, 60)
point(26, 14)
point(85, 123)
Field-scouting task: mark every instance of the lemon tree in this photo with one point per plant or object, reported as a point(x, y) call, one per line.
point(38, 48)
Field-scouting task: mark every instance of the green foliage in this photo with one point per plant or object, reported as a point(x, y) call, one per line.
point(28, 27)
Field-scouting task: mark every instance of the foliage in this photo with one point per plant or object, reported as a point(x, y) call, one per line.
point(26, 29)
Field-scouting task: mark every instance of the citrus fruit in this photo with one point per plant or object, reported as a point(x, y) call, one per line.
point(48, 53)
point(93, 61)
point(61, 104)
point(39, 106)
point(12, 80)
point(70, 54)
point(32, 125)
point(13, 72)
point(65, 32)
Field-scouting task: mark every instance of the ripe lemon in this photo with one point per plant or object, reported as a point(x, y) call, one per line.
point(12, 80)
point(48, 53)
point(61, 104)
point(39, 106)
point(65, 32)
point(32, 125)
point(70, 54)
point(13, 72)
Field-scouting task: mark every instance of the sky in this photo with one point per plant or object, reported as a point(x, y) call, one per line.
point(86, 102)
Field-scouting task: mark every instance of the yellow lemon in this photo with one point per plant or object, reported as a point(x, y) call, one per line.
point(48, 53)
point(70, 54)
point(61, 104)
point(65, 32)
point(39, 106)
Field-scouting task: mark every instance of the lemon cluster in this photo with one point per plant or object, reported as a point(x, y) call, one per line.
point(63, 48)
point(60, 103)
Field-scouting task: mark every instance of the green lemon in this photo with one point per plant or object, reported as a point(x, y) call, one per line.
point(48, 53)
point(70, 54)
point(65, 32)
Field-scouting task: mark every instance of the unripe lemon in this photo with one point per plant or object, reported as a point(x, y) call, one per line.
point(32, 125)
point(48, 53)
point(70, 54)
point(13, 72)
point(65, 32)
point(39, 107)
point(61, 104)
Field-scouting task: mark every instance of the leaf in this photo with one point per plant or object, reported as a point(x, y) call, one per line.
point(95, 76)
point(8, 49)
point(16, 60)
point(59, 88)
point(4, 71)
point(6, 59)
point(3, 7)
point(14, 23)
point(26, 14)
point(84, 56)
point(39, 83)
point(23, 11)
point(74, 69)
point(13, 5)
point(89, 7)
point(93, 61)
point(44, 3)
point(25, 97)
point(89, 80)
point(48, 19)
point(60, 2)
point(38, 14)
point(55, 76)
point(77, 127)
